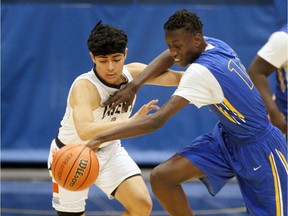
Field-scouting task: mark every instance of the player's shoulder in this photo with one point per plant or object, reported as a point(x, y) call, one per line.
point(135, 68)
point(83, 85)
point(84, 88)
point(279, 38)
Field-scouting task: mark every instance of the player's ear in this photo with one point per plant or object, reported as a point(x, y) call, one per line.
point(197, 39)
point(126, 52)
point(92, 56)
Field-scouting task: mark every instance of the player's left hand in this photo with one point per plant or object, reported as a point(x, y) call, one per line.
point(94, 144)
point(145, 109)
point(278, 120)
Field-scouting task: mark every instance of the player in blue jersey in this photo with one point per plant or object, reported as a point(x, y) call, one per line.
point(243, 144)
point(273, 57)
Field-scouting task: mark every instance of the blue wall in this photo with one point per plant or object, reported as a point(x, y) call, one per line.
point(43, 47)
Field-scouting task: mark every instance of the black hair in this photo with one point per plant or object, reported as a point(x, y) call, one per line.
point(105, 39)
point(184, 19)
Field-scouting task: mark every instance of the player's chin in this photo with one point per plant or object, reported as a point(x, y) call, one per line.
point(112, 81)
point(181, 63)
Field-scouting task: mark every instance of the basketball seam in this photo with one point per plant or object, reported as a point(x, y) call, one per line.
point(68, 175)
point(58, 160)
point(88, 171)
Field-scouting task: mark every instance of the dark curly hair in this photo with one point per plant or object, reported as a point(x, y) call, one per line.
point(184, 19)
point(106, 39)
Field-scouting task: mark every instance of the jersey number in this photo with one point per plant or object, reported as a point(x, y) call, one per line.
point(239, 69)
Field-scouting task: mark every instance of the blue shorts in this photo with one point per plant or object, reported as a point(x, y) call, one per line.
point(259, 165)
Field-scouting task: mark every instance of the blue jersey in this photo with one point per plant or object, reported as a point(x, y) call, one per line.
point(242, 113)
point(244, 144)
point(281, 84)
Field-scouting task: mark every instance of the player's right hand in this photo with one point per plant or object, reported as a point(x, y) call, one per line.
point(278, 120)
point(94, 144)
point(125, 96)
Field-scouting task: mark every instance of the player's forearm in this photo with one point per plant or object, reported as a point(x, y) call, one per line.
point(86, 131)
point(262, 84)
point(135, 128)
point(157, 67)
point(275, 115)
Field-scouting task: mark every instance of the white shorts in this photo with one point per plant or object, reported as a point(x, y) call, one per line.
point(115, 166)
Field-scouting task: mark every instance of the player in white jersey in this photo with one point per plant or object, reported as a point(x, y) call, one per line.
point(85, 117)
point(273, 57)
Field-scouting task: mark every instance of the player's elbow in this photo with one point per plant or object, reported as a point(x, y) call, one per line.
point(84, 135)
point(156, 122)
point(253, 73)
point(251, 70)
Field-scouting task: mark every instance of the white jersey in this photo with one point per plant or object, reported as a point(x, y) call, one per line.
point(67, 131)
point(275, 50)
point(196, 84)
point(115, 163)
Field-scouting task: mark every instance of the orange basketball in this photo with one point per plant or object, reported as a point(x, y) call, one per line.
point(75, 167)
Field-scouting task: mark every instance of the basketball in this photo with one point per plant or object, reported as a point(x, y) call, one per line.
point(75, 167)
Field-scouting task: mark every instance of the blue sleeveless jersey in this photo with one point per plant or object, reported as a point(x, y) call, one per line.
point(281, 84)
point(242, 113)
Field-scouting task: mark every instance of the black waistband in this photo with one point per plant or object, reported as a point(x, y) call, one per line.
point(59, 143)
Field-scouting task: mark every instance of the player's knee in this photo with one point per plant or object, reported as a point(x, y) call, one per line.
point(70, 213)
point(156, 176)
point(146, 204)
point(141, 206)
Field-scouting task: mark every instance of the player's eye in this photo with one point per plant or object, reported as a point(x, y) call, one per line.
point(177, 47)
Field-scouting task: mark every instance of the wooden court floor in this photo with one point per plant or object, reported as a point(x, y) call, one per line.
point(27, 192)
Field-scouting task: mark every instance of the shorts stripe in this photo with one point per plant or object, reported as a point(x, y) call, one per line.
point(283, 160)
point(277, 184)
point(55, 187)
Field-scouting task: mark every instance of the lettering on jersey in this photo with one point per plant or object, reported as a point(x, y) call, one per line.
point(239, 69)
point(230, 112)
point(117, 110)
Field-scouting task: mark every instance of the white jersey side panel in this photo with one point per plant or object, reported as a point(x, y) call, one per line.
point(275, 50)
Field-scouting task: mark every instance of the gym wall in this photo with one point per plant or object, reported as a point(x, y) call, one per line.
point(43, 49)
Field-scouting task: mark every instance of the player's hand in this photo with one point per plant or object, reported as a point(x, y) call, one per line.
point(125, 96)
point(94, 144)
point(278, 120)
point(145, 109)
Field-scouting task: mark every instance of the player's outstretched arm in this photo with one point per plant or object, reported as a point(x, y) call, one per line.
point(143, 125)
point(143, 111)
point(157, 67)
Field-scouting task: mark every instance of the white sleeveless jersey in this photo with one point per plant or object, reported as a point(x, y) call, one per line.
point(67, 131)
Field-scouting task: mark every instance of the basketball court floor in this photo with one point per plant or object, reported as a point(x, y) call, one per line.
point(27, 192)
